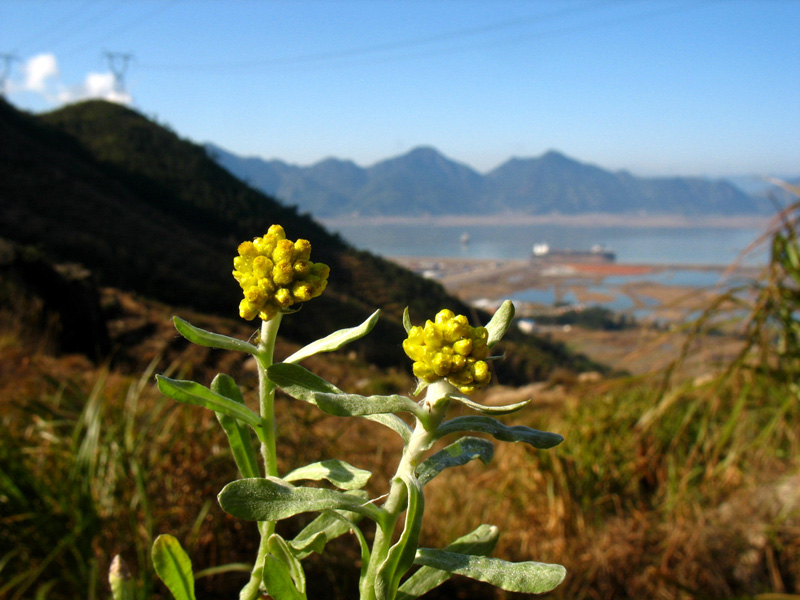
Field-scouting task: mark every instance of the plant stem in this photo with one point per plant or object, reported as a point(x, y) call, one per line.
point(266, 400)
point(266, 394)
point(424, 436)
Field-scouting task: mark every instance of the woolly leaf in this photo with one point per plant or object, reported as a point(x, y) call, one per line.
point(480, 542)
point(516, 433)
point(335, 340)
point(526, 577)
point(500, 322)
point(201, 337)
point(190, 392)
point(272, 499)
point(242, 448)
point(341, 474)
point(456, 454)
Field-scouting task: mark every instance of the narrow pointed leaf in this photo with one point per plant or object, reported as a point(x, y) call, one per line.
point(271, 499)
point(281, 550)
point(244, 453)
point(490, 410)
point(299, 382)
point(341, 474)
point(456, 454)
point(174, 567)
point(394, 423)
point(500, 322)
point(190, 392)
point(480, 542)
point(362, 541)
point(402, 554)
point(515, 433)
point(278, 580)
point(201, 337)
point(324, 528)
point(354, 405)
point(406, 320)
point(335, 340)
point(526, 577)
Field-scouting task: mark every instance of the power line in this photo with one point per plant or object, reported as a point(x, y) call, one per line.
point(396, 45)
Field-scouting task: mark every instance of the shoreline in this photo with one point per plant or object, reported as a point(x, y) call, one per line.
point(581, 220)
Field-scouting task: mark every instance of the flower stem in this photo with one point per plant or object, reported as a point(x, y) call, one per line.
point(423, 437)
point(266, 400)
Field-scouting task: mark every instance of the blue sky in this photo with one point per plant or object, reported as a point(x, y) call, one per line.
point(654, 87)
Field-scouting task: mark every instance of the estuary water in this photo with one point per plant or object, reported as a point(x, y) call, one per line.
point(632, 244)
point(678, 252)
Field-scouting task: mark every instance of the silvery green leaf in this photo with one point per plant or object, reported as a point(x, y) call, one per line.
point(526, 577)
point(201, 337)
point(362, 541)
point(515, 433)
point(456, 454)
point(281, 550)
point(489, 410)
point(401, 555)
point(299, 382)
point(190, 392)
point(500, 322)
point(480, 542)
point(341, 474)
point(242, 448)
point(174, 567)
point(406, 320)
point(421, 385)
point(394, 423)
point(325, 527)
point(335, 340)
point(353, 405)
point(278, 580)
point(272, 499)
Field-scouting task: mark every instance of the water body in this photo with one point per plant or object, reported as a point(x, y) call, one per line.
point(680, 247)
point(633, 245)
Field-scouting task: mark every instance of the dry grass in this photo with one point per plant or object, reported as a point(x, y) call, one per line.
point(665, 487)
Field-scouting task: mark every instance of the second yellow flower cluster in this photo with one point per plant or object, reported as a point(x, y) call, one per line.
point(276, 273)
point(449, 348)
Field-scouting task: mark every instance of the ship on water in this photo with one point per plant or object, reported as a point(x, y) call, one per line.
point(543, 253)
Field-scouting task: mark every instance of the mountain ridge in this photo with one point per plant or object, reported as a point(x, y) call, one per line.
point(424, 182)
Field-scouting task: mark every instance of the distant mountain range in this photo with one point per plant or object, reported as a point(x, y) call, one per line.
point(425, 182)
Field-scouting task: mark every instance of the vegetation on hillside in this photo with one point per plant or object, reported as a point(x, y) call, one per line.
point(101, 185)
point(667, 488)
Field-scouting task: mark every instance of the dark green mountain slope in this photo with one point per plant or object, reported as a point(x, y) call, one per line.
point(146, 211)
point(100, 184)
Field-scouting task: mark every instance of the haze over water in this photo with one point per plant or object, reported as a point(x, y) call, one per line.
point(632, 245)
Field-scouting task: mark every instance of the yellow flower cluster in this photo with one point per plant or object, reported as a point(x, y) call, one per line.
point(449, 348)
point(276, 273)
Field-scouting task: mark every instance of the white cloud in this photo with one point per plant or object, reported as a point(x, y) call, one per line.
point(38, 71)
point(97, 86)
point(41, 76)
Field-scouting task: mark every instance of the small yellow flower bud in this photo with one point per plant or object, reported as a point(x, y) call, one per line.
point(275, 273)
point(302, 292)
point(284, 251)
point(448, 348)
point(302, 249)
point(282, 273)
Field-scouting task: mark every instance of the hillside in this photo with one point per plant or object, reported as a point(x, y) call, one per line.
point(101, 185)
point(424, 182)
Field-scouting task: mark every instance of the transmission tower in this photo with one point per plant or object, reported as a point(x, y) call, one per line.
point(5, 70)
point(118, 64)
